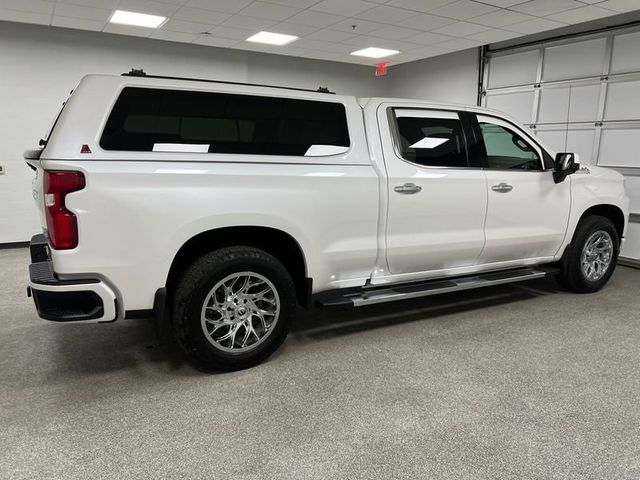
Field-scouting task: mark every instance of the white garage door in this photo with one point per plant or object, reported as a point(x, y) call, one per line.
point(580, 95)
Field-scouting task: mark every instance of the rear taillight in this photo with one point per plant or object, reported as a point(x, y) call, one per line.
point(62, 224)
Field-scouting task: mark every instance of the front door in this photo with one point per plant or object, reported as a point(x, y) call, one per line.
point(527, 211)
point(436, 204)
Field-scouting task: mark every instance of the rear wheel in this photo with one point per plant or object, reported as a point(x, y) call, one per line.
point(232, 308)
point(590, 259)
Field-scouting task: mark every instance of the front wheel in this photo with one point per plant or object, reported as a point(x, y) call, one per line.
point(591, 257)
point(232, 308)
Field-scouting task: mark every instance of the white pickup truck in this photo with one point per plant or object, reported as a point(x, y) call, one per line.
point(220, 205)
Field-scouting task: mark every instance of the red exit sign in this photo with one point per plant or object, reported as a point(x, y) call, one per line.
point(381, 69)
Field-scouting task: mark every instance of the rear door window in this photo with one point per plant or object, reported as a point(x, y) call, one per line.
point(148, 119)
point(431, 138)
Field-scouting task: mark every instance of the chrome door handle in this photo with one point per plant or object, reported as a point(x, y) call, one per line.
point(408, 188)
point(502, 188)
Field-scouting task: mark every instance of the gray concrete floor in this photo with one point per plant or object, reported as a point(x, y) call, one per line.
point(509, 382)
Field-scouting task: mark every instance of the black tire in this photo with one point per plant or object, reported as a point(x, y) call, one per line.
point(193, 288)
point(572, 276)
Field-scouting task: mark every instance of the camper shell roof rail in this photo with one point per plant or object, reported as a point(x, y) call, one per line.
point(141, 73)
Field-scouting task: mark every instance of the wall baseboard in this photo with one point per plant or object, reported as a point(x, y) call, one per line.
point(629, 262)
point(8, 245)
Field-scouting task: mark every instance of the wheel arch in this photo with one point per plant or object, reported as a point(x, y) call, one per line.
point(276, 242)
point(612, 212)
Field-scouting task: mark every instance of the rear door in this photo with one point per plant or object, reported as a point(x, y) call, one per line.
point(436, 202)
point(527, 211)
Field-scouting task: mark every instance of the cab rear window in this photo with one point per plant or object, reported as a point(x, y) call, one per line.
point(149, 119)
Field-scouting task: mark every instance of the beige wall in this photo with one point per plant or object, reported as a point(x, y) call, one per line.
point(451, 78)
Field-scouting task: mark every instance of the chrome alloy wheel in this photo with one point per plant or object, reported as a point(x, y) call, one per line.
point(240, 311)
point(597, 255)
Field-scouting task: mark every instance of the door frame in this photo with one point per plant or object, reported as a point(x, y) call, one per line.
point(546, 167)
point(387, 111)
point(472, 118)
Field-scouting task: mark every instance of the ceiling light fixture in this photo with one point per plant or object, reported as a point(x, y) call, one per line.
point(123, 17)
point(271, 38)
point(373, 52)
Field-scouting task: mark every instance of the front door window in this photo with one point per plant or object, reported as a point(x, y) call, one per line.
point(506, 149)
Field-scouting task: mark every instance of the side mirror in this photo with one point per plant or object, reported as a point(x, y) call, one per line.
point(565, 164)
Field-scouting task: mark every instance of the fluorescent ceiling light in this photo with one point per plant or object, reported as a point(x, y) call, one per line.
point(272, 38)
point(123, 17)
point(373, 52)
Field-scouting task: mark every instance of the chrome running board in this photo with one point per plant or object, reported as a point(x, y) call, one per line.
point(372, 296)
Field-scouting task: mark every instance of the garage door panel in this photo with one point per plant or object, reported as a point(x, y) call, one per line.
point(554, 139)
point(574, 60)
point(631, 247)
point(518, 105)
point(569, 104)
point(625, 56)
point(581, 142)
point(554, 105)
point(619, 148)
point(623, 101)
point(516, 69)
point(632, 185)
point(584, 103)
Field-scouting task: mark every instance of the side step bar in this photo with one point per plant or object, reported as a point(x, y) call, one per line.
point(339, 300)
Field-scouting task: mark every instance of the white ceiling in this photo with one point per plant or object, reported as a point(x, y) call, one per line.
point(418, 28)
